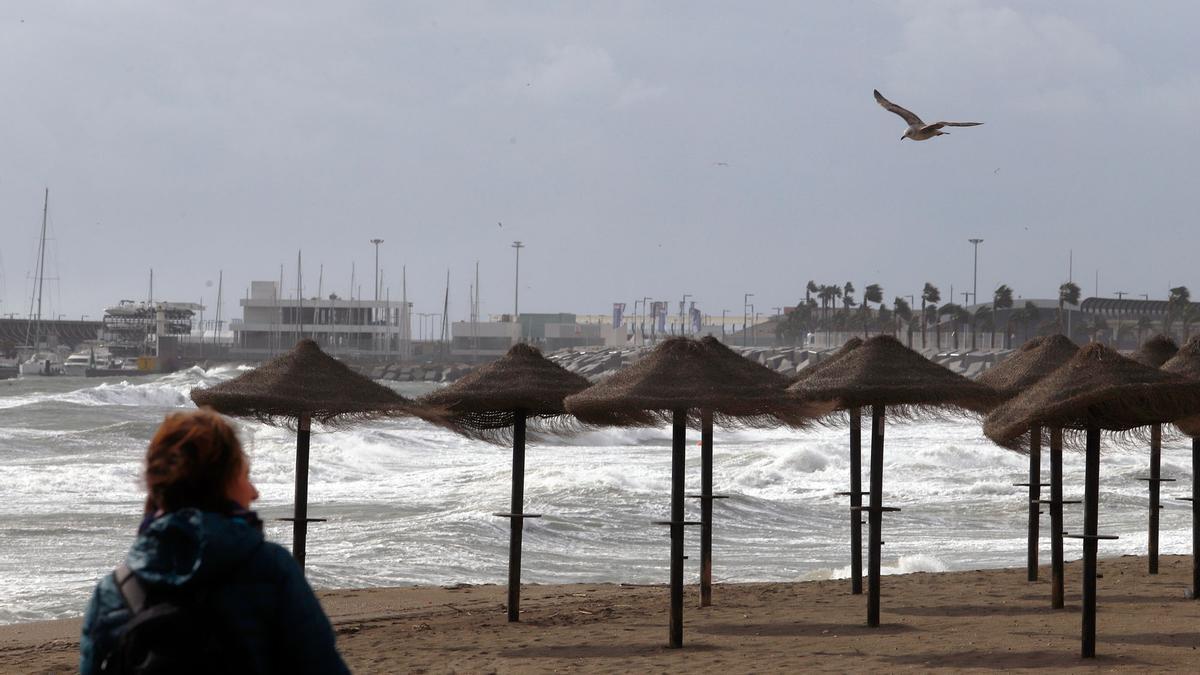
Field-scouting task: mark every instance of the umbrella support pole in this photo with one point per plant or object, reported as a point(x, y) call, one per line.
point(1035, 489)
point(706, 504)
point(300, 512)
point(856, 585)
point(1154, 484)
point(1195, 518)
point(875, 517)
point(516, 523)
point(1056, 519)
point(678, 441)
point(1091, 507)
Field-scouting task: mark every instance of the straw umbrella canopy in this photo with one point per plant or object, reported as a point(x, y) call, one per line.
point(1035, 360)
point(293, 389)
point(855, 493)
point(496, 400)
point(486, 402)
point(886, 375)
point(1187, 363)
point(678, 378)
point(1156, 351)
point(1097, 390)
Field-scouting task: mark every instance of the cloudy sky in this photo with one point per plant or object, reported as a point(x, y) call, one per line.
point(637, 148)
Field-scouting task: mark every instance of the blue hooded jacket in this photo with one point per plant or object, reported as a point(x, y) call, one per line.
point(259, 591)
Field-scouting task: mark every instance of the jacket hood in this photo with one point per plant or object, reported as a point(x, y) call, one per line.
point(187, 545)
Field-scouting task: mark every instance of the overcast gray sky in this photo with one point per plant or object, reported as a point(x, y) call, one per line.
point(200, 136)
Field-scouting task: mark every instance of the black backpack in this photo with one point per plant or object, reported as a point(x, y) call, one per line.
point(177, 633)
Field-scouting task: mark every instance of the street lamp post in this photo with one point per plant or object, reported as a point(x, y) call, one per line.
point(975, 287)
point(682, 309)
point(723, 324)
point(374, 317)
point(377, 242)
point(745, 317)
point(517, 246)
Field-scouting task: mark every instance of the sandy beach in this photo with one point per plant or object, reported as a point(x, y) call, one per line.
point(985, 620)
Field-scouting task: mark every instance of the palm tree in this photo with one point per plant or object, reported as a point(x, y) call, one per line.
point(1002, 298)
point(903, 312)
point(1178, 299)
point(931, 295)
point(1143, 324)
point(1068, 294)
point(1097, 325)
point(958, 317)
point(848, 296)
point(883, 320)
point(827, 293)
point(872, 293)
point(1188, 316)
point(1030, 314)
point(985, 319)
point(809, 290)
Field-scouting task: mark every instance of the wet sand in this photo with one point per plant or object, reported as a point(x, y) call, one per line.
point(985, 620)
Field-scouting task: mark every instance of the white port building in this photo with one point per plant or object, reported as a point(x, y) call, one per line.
point(359, 328)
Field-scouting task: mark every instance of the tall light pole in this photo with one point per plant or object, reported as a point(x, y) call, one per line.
point(723, 312)
point(377, 242)
point(745, 318)
point(682, 320)
point(975, 288)
point(517, 246)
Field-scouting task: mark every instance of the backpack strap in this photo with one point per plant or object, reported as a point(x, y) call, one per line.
point(130, 587)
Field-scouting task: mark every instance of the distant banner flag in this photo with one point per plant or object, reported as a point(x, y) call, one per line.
point(660, 316)
point(697, 319)
point(618, 314)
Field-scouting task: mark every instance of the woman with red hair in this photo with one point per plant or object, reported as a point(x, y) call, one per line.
point(201, 590)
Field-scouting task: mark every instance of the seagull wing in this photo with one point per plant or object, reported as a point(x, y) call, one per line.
point(939, 125)
point(907, 115)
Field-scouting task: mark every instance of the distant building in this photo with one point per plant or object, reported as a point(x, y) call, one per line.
point(548, 332)
point(139, 328)
point(358, 328)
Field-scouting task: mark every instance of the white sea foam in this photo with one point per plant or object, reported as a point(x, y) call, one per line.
point(411, 503)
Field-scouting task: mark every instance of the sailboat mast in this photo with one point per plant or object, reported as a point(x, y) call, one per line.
point(320, 290)
point(41, 271)
point(299, 297)
point(407, 325)
point(445, 310)
point(220, 283)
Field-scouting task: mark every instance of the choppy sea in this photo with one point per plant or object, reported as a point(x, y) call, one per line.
point(409, 503)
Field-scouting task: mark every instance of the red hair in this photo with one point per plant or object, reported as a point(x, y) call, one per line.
point(191, 461)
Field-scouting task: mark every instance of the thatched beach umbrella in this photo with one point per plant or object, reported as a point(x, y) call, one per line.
point(293, 389)
point(681, 377)
point(1154, 353)
point(1023, 368)
point(496, 400)
point(1187, 363)
point(1097, 390)
point(887, 376)
point(856, 492)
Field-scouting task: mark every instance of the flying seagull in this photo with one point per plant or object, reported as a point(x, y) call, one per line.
point(918, 130)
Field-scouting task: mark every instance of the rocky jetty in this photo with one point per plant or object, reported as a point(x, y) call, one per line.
point(595, 363)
